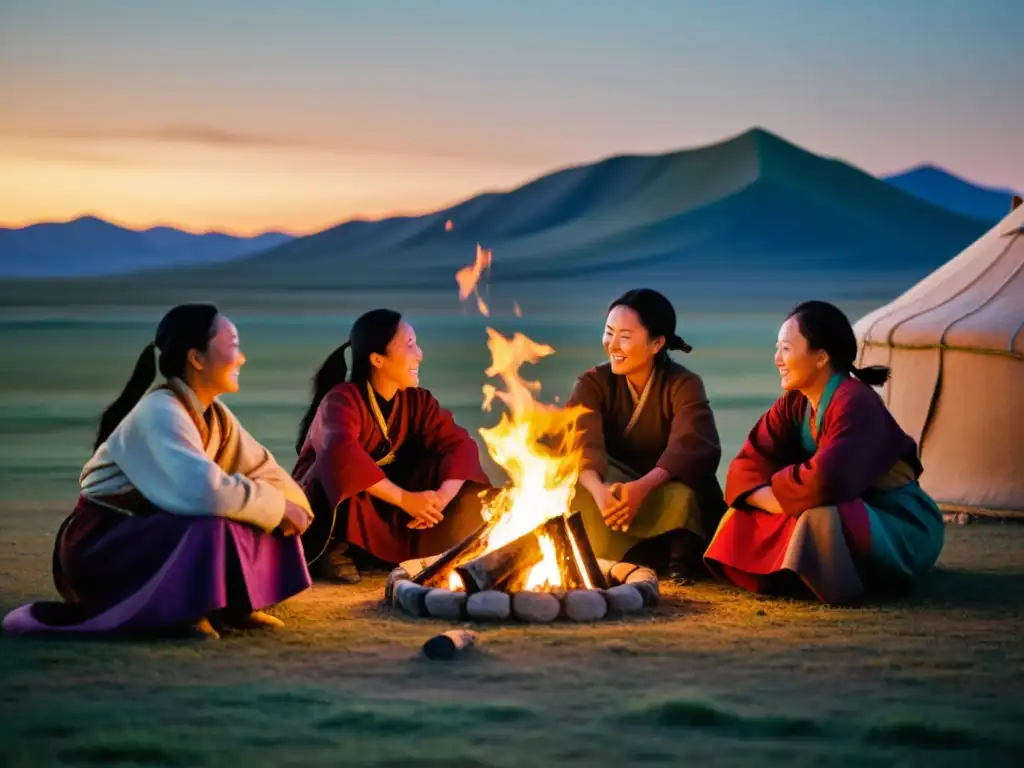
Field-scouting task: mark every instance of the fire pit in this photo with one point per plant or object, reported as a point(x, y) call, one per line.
point(530, 559)
point(547, 574)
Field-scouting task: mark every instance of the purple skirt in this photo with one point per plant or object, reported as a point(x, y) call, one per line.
point(123, 574)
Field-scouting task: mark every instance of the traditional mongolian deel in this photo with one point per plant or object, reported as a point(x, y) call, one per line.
point(176, 520)
point(356, 440)
point(854, 517)
point(627, 434)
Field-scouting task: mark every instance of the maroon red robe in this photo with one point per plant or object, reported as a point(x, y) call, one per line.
point(339, 462)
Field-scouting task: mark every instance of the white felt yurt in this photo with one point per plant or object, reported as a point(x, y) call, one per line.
point(955, 343)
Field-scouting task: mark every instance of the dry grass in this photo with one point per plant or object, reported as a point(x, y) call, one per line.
point(713, 676)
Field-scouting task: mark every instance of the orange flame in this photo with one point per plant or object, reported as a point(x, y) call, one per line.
point(469, 277)
point(536, 444)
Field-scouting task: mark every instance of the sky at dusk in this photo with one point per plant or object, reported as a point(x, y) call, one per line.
point(247, 115)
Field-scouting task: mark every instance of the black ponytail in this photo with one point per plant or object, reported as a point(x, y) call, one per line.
point(676, 343)
point(139, 383)
point(332, 372)
point(873, 375)
point(371, 333)
point(183, 328)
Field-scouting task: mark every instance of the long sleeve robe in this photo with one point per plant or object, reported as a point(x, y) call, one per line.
point(336, 466)
point(158, 451)
point(675, 431)
point(853, 511)
point(175, 522)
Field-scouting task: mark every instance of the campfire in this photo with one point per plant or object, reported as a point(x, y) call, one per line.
point(531, 558)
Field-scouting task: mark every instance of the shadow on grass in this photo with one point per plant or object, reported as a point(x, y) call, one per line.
point(966, 590)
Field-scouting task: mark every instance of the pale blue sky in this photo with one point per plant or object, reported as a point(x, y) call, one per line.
point(429, 101)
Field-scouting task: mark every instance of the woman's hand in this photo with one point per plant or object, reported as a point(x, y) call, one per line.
point(426, 508)
point(764, 499)
point(606, 501)
point(295, 521)
point(630, 496)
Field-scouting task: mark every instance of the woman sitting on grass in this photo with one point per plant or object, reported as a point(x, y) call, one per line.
point(824, 492)
point(184, 520)
point(389, 473)
point(650, 444)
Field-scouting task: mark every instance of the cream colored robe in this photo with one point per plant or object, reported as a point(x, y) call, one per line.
point(168, 452)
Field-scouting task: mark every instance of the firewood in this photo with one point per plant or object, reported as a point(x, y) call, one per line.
point(587, 561)
point(436, 574)
point(494, 570)
point(449, 644)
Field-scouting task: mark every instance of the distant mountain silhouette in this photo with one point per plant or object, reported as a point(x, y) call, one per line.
point(749, 217)
point(92, 246)
point(947, 190)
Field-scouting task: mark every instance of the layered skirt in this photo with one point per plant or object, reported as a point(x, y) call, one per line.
point(877, 545)
point(123, 574)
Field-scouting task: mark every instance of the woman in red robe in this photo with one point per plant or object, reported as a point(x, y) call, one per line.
point(824, 495)
point(388, 471)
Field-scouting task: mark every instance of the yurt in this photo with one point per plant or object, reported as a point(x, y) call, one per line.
point(955, 344)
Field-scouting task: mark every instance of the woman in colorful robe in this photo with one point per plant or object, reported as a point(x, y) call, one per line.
point(184, 521)
point(824, 494)
point(650, 444)
point(389, 473)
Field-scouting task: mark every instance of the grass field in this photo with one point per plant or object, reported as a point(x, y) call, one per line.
point(714, 676)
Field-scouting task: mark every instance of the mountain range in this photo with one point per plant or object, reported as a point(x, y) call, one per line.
point(748, 216)
point(91, 246)
point(949, 191)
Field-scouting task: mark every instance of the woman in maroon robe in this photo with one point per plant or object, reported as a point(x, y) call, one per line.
point(388, 471)
point(824, 495)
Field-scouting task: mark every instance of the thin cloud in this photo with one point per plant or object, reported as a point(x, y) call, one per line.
point(179, 134)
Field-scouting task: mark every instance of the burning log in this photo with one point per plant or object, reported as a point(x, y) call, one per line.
point(587, 561)
point(508, 568)
point(493, 570)
point(436, 574)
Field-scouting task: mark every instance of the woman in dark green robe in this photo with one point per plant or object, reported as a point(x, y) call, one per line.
point(650, 444)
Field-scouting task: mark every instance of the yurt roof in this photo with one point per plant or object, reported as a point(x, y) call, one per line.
point(975, 301)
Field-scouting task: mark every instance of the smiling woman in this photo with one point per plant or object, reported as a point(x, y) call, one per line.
point(184, 520)
point(824, 492)
point(388, 471)
point(650, 443)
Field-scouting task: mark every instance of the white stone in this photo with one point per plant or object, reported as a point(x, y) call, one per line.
point(445, 604)
point(489, 605)
point(397, 575)
point(642, 575)
point(411, 598)
point(538, 607)
point(585, 605)
point(624, 598)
